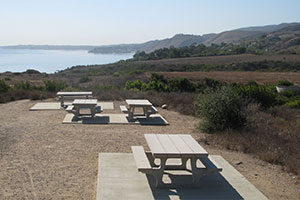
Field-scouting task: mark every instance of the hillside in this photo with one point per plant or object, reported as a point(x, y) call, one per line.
point(181, 40)
point(264, 37)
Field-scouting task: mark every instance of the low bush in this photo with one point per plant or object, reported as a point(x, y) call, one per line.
point(272, 135)
point(284, 83)
point(262, 95)
point(4, 87)
point(84, 79)
point(53, 86)
point(158, 83)
point(293, 104)
point(23, 85)
point(220, 109)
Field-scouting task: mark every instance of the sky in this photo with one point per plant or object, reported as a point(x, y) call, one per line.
point(99, 22)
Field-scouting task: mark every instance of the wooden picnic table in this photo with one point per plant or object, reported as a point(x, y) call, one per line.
point(170, 146)
point(138, 103)
point(62, 95)
point(85, 103)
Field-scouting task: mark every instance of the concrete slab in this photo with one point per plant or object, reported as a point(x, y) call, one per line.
point(156, 119)
point(56, 106)
point(46, 106)
point(118, 178)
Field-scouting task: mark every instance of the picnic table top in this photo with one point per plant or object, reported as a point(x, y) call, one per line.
point(85, 102)
point(73, 93)
point(138, 102)
point(174, 145)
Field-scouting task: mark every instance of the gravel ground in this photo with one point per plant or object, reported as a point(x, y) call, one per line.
point(41, 158)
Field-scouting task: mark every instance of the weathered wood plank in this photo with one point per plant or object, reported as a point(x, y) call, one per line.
point(154, 144)
point(167, 144)
point(182, 147)
point(194, 145)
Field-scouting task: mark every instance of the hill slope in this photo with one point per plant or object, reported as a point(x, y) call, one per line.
point(181, 40)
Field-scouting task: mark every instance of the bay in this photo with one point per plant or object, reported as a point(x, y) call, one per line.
point(50, 61)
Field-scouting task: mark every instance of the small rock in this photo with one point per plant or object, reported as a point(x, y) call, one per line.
point(239, 163)
point(165, 106)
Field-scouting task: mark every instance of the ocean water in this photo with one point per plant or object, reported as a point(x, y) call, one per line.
point(50, 61)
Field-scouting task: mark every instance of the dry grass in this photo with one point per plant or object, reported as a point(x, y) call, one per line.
point(242, 77)
point(229, 59)
point(25, 94)
point(271, 135)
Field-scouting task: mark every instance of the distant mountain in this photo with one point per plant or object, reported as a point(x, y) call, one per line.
point(268, 28)
point(284, 41)
point(180, 40)
point(259, 34)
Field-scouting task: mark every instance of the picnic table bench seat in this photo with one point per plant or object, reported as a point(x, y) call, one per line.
point(124, 109)
point(70, 109)
point(141, 159)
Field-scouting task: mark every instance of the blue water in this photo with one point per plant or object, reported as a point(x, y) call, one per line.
point(50, 61)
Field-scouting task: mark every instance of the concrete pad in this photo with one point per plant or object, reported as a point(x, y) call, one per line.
point(46, 106)
point(56, 106)
point(118, 178)
point(114, 119)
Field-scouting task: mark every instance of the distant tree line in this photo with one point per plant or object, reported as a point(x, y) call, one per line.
point(192, 51)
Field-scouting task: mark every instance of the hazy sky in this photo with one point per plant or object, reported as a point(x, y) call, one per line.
point(99, 22)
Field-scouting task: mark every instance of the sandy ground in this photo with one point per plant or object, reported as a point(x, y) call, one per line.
point(41, 158)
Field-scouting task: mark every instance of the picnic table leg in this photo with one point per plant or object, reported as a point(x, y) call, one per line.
point(145, 111)
point(130, 112)
point(93, 111)
point(61, 98)
point(158, 174)
point(77, 108)
point(197, 173)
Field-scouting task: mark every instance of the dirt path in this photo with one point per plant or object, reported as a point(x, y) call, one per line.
point(41, 158)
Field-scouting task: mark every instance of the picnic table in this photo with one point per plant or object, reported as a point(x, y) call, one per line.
point(86, 104)
point(170, 146)
point(62, 95)
point(146, 105)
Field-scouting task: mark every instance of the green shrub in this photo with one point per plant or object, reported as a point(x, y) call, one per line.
point(84, 79)
point(212, 83)
point(53, 86)
point(135, 85)
point(116, 74)
point(254, 83)
point(32, 71)
point(293, 104)
point(23, 85)
point(262, 95)
point(4, 87)
point(284, 83)
point(220, 109)
point(180, 84)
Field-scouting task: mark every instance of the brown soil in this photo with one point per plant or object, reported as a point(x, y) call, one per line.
point(41, 158)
